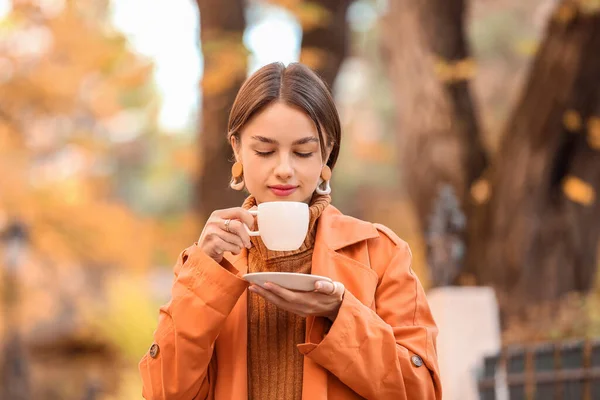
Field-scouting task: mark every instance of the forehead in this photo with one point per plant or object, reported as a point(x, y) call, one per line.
point(281, 122)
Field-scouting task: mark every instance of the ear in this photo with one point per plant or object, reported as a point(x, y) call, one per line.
point(235, 146)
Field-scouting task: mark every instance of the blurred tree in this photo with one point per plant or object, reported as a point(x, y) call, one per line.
point(438, 134)
point(76, 104)
point(537, 226)
point(70, 108)
point(532, 230)
point(325, 34)
point(222, 25)
point(325, 42)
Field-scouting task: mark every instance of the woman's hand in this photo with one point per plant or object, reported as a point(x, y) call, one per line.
point(324, 301)
point(224, 231)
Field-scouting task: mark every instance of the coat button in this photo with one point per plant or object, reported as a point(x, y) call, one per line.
point(416, 360)
point(154, 350)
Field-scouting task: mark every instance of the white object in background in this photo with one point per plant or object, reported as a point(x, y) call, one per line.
point(469, 325)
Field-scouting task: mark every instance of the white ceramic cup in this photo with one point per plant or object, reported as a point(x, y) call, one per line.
point(282, 225)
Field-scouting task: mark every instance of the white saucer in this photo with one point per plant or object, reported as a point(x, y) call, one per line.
point(288, 280)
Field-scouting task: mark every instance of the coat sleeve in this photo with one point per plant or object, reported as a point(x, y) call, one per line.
point(389, 352)
point(203, 294)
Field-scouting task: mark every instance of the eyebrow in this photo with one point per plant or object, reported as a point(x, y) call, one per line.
point(305, 140)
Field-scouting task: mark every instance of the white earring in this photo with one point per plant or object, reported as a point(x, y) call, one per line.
point(324, 178)
point(237, 185)
point(326, 190)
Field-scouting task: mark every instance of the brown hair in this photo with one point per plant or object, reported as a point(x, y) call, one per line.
point(295, 85)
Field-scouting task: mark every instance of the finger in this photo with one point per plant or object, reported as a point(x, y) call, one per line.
point(340, 289)
point(325, 287)
point(230, 238)
point(236, 227)
point(284, 293)
point(221, 245)
point(236, 213)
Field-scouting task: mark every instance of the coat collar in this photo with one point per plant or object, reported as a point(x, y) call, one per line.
point(337, 230)
point(334, 230)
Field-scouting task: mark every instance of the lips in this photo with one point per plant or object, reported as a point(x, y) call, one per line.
point(283, 190)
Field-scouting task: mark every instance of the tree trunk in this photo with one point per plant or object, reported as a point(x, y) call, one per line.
point(536, 238)
point(440, 151)
point(222, 25)
point(325, 43)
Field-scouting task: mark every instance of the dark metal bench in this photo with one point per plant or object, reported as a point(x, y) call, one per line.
point(568, 370)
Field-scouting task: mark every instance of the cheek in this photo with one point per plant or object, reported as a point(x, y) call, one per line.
point(255, 168)
point(312, 172)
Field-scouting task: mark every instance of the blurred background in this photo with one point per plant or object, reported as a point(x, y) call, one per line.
point(471, 128)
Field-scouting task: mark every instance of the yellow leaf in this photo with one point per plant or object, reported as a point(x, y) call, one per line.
point(565, 13)
point(465, 69)
point(481, 191)
point(313, 57)
point(527, 47)
point(572, 120)
point(443, 70)
point(225, 64)
point(311, 15)
point(594, 133)
point(579, 191)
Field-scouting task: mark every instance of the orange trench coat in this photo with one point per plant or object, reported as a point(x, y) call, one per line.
point(381, 346)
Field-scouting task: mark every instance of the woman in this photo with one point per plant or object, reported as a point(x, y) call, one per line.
point(370, 334)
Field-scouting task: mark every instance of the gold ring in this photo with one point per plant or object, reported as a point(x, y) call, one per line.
point(227, 222)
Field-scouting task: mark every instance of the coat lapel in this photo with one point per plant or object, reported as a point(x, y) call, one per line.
point(334, 257)
point(335, 232)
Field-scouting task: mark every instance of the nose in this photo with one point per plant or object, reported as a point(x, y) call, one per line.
point(284, 169)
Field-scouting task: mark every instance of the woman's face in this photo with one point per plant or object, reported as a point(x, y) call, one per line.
point(281, 154)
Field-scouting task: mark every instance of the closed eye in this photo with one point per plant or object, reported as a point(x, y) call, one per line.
point(304, 155)
point(263, 153)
